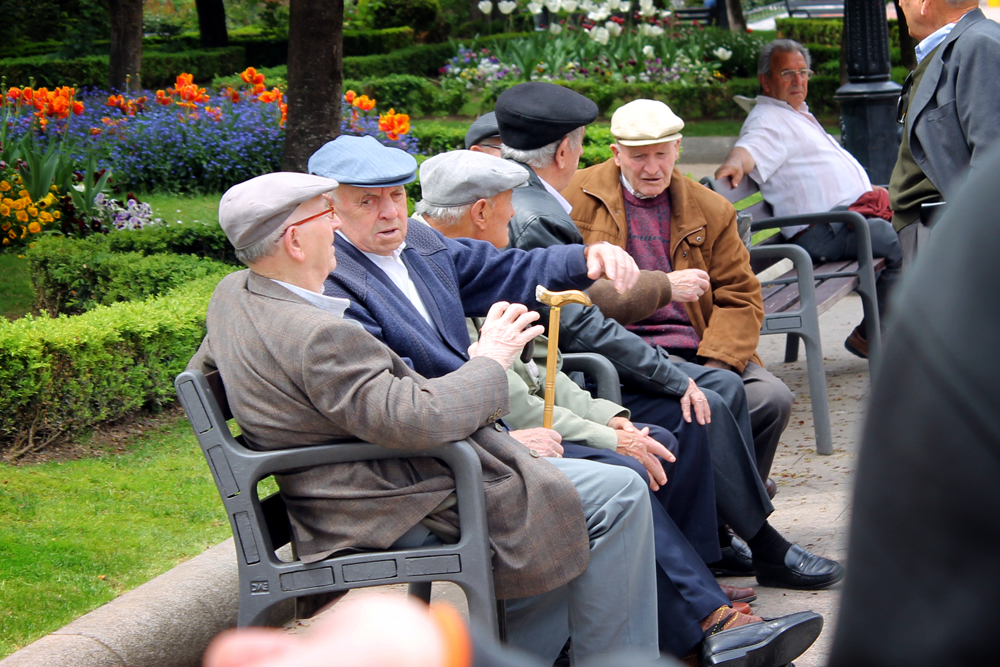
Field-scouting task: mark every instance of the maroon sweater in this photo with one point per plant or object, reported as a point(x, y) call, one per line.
point(649, 244)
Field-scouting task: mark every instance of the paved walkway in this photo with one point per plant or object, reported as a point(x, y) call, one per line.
point(813, 501)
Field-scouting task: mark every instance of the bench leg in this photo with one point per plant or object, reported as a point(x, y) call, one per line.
point(420, 590)
point(791, 348)
point(817, 394)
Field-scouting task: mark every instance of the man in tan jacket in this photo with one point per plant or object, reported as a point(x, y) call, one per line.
point(639, 201)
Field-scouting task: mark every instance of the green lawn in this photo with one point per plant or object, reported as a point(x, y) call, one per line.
point(189, 208)
point(76, 534)
point(16, 296)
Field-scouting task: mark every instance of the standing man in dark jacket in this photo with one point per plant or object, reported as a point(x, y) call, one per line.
point(541, 126)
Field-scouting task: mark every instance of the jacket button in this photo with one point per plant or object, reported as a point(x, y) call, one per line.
point(534, 453)
point(497, 426)
point(698, 239)
point(684, 254)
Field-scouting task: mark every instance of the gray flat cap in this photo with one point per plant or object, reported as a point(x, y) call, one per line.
point(363, 162)
point(253, 209)
point(484, 127)
point(459, 178)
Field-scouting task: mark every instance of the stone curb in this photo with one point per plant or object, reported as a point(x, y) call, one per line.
point(166, 622)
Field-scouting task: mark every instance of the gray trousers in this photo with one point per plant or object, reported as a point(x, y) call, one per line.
point(611, 606)
point(913, 239)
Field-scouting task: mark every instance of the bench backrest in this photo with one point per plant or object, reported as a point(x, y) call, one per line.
point(743, 197)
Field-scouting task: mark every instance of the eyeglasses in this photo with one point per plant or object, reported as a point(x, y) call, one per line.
point(789, 74)
point(329, 211)
point(903, 104)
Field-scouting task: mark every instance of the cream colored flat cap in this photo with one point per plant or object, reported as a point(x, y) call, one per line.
point(253, 209)
point(644, 122)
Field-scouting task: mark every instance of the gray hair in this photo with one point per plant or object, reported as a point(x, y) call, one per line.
point(263, 248)
point(781, 46)
point(445, 216)
point(540, 158)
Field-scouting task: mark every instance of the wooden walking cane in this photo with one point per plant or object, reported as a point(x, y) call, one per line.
point(555, 301)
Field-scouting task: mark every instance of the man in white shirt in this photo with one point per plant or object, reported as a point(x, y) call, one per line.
point(802, 169)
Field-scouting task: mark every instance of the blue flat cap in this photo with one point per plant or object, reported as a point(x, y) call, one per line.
point(363, 162)
point(483, 127)
point(535, 114)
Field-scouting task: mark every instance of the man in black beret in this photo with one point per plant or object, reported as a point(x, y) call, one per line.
point(483, 135)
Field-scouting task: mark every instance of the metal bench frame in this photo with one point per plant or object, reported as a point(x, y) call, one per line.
point(802, 322)
point(260, 527)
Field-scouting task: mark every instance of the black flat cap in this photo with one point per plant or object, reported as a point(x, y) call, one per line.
point(483, 127)
point(535, 114)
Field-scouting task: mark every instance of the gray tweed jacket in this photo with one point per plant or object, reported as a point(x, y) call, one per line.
point(299, 375)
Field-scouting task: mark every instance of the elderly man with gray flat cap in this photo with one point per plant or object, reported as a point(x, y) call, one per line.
point(412, 288)
point(300, 373)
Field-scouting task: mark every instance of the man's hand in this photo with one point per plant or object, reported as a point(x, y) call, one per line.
point(611, 261)
point(738, 163)
point(688, 284)
point(715, 363)
point(639, 445)
point(694, 397)
point(545, 441)
point(505, 333)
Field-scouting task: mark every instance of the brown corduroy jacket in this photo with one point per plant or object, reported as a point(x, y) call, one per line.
point(703, 236)
point(298, 375)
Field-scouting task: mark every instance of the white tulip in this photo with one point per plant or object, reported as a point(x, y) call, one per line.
point(506, 7)
point(570, 5)
point(613, 28)
point(645, 3)
point(587, 6)
point(485, 6)
point(555, 28)
point(665, 14)
point(535, 7)
point(723, 53)
point(553, 5)
point(655, 31)
point(599, 14)
point(624, 6)
point(600, 35)
point(648, 51)
point(612, 5)
point(647, 11)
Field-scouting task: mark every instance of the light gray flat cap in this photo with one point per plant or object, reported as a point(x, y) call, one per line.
point(458, 178)
point(251, 210)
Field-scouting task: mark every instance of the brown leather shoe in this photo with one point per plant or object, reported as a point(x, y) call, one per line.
point(771, 488)
point(736, 594)
point(856, 343)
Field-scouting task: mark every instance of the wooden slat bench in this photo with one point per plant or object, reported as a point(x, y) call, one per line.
point(794, 300)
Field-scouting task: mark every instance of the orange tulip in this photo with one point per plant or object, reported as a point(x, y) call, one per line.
point(364, 103)
point(349, 96)
point(393, 124)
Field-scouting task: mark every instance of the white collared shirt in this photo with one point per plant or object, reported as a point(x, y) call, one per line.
point(799, 166)
point(559, 198)
point(330, 304)
point(400, 276)
point(931, 41)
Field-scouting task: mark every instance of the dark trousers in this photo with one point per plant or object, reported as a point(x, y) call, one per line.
point(740, 498)
point(836, 241)
point(684, 532)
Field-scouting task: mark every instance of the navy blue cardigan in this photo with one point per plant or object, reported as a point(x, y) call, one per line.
point(456, 278)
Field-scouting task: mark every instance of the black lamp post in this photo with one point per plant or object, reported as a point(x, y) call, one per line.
point(868, 101)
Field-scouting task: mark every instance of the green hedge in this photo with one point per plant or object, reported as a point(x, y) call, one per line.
point(824, 31)
point(72, 276)
point(159, 69)
point(58, 376)
point(421, 60)
point(203, 240)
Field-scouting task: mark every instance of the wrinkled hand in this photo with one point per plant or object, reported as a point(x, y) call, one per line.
point(638, 444)
point(688, 284)
point(505, 333)
point(545, 441)
point(715, 363)
point(694, 398)
point(732, 170)
point(611, 261)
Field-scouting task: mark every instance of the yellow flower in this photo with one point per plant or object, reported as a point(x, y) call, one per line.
point(56, 214)
point(7, 201)
point(4, 209)
point(23, 193)
point(22, 216)
point(34, 228)
point(6, 241)
point(18, 205)
point(24, 231)
point(4, 186)
point(54, 188)
point(12, 234)
point(44, 203)
point(32, 211)
point(46, 217)
point(6, 226)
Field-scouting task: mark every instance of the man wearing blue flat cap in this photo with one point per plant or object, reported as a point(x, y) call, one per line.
point(412, 288)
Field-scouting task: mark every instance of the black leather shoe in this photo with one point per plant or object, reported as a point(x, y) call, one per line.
point(802, 570)
point(767, 644)
point(736, 561)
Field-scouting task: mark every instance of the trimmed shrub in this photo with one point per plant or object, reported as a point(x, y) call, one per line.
point(202, 240)
point(404, 92)
point(159, 69)
point(421, 60)
point(418, 14)
point(58, 376)
point(72, 276)
point(824, 31)
point(434, 138)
